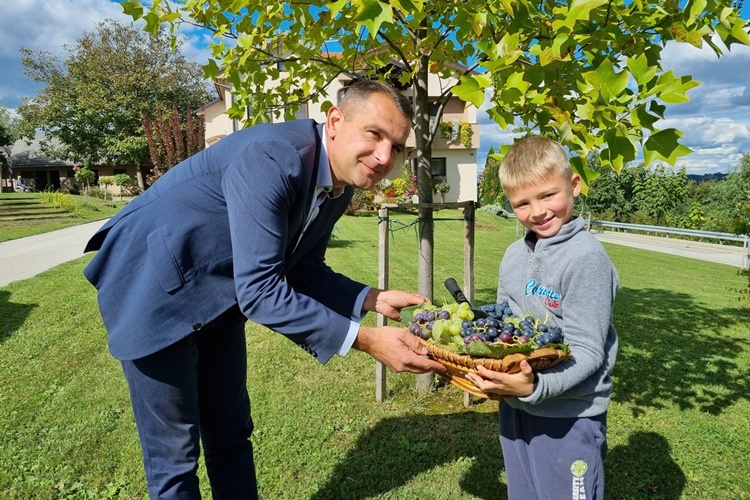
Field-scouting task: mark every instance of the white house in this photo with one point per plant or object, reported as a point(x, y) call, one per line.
point(451, 159)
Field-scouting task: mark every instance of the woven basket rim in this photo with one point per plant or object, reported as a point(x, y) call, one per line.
point(458, 365)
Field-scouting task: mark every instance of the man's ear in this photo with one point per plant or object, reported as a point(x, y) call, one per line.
point(575, 183)
point(334, 117)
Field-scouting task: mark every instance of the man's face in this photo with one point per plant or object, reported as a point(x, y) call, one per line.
point(364, 147)
point(545, 205)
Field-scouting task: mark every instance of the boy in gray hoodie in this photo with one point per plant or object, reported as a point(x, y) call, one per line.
point(553, 423)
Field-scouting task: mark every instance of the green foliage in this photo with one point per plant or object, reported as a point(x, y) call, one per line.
point(440, 184)
point(62, 201)
point(465, 133)
point(559, 68)
point(362, 200)
point(9, 132)
point(93, 101)
point(123, 180)
point(490, 190)
point(85, 176)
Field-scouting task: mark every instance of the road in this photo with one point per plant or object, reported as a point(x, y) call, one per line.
point(26, 257)
point(712, 252)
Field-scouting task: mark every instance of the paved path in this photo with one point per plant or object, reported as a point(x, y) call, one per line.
point(26, 257)
point(712, 252)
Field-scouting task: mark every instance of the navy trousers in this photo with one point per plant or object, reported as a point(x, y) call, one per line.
point(553, 458)
point(194, 392)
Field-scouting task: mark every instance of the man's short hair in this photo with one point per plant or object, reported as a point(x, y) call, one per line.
point(361, 90)
point(531, 159)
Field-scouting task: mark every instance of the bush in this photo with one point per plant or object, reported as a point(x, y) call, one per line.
point(60, 200)
point(362, 200)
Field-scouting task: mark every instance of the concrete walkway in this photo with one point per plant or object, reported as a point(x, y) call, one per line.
point(26, 257)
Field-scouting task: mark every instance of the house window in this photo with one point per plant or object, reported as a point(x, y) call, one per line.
point(438, 167)
point(119, 171)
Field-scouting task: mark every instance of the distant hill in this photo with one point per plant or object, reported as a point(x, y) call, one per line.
point(716, 176)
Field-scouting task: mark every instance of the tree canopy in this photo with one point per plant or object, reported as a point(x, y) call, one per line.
point(588, 71)
point(94, 101)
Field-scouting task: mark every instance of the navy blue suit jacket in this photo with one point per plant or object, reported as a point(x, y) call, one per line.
point(219, 229)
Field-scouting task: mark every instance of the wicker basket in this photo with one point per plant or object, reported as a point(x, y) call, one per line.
point(459, 365)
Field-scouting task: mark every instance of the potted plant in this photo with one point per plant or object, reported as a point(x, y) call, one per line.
point(441, 186)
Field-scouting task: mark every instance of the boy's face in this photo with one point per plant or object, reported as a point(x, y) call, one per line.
point(544, 205)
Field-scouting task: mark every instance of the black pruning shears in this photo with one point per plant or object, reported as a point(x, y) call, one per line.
point(459, 296)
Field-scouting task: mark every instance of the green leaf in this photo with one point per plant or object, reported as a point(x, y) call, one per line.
point(607, 81)
point(372, 14)
point(133, 8)
point(335, 7)
point(579, 10)
point(695, 8)
point(641, 70)
point(471, 90)
point(152, 23)
point(674, 90)
point(408, 6)
point(587, 175)
point(664, 145)
point(620, 150)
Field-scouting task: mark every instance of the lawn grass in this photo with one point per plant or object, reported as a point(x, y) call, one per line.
point(95, 209)
point(678, 423)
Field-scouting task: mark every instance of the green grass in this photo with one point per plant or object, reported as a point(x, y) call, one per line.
point(95, 209)
point(678, 423)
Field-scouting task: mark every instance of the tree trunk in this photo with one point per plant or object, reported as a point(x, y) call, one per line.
point(426, 381)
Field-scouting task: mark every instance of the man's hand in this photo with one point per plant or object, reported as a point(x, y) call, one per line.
point(390, 302)
point(505, 384)
point(396, 348)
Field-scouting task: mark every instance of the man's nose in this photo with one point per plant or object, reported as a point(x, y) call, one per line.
point(384, 153)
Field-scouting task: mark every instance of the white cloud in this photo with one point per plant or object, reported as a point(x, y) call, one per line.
point(50, 25)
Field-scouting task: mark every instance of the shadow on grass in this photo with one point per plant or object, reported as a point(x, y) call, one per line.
point(397, 449)
point(12, 315)
point(675, 351)
point(339, 243)
point(643, 468)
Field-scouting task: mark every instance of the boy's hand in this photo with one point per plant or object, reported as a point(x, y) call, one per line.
point(505, 384)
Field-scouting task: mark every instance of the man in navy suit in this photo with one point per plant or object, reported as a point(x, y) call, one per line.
point(240, 231)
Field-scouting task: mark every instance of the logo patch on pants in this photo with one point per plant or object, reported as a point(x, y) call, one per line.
point(578, 469)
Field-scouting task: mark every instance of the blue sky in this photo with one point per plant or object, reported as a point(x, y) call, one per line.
point(716, 123)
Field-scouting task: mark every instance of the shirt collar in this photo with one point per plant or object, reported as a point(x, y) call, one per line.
point(324, 182)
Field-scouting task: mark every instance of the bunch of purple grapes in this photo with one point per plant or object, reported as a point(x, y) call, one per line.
point(423, 321)
point(500, 318)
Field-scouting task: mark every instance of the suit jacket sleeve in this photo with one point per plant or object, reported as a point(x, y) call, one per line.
point(264, 187)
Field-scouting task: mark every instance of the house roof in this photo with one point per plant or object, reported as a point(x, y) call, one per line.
point(29, 154)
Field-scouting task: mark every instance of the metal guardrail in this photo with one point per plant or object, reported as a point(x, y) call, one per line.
point(714, 235)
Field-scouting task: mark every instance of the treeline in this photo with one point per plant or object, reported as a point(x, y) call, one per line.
point(656, 196)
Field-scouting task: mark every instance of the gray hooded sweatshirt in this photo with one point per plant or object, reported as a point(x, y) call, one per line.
point(568, 280)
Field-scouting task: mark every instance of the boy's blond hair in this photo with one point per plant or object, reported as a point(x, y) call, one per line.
point(531, 159)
